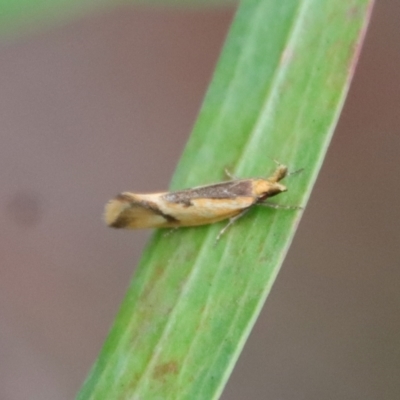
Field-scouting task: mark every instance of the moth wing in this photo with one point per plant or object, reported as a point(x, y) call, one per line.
point(129, 211)
point(203, 211)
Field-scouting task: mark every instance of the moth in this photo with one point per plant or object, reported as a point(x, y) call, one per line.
point(196, 206)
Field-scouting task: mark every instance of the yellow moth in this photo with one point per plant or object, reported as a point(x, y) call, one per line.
point(192, 207)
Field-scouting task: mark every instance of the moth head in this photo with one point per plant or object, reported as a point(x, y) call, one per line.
point(264, 188)
point(280, 172)
point(275, 188)
point(272, 187)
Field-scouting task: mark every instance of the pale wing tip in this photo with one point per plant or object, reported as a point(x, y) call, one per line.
point(113, 211)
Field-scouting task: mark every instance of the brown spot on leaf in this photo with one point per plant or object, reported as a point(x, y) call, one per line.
point(163, 370)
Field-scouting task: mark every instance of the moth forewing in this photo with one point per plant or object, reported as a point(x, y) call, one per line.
point(197, 206)
point(203, 211)
point(134, 211)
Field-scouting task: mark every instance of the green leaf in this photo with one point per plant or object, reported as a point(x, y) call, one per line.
point(276, 94)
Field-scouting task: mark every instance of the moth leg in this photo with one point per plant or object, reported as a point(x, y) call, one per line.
point(169, 231)
point(231, 222)
point(230, 175)
point(279, 206)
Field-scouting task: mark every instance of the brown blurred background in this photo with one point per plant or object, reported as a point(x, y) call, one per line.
point(106, 103)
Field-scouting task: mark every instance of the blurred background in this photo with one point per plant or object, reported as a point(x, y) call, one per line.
point(105, 103)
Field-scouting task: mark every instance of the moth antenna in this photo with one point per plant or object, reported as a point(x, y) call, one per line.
point(298, 171)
